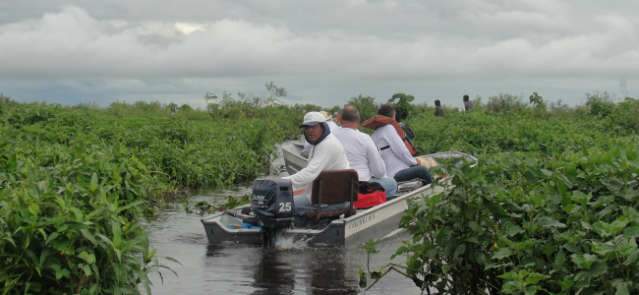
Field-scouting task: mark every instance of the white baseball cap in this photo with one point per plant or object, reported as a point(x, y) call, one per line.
point(313, 118)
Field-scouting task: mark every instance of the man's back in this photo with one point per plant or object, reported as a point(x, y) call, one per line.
point(392, 149)
point(361, 153)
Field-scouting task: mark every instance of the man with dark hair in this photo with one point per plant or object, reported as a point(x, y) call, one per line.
point(400, 163)
point(386, 110)
point(361, 152)
point(467, 104)
point(386, 116)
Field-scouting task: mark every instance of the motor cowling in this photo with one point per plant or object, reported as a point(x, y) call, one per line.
point(272, 202)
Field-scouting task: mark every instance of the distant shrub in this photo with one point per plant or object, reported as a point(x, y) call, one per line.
point(599, 104)
point(402, 103)
point(28, 116)
point(626, 115)
point(185, 108)
point(5, 99)
point(537, 102)
point(153, 106)
point(365, 105)
point(504, 103)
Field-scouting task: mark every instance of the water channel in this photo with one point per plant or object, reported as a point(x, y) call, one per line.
point(240, 269)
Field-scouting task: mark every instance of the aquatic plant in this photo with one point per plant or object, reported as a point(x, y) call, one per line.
point(77, 182)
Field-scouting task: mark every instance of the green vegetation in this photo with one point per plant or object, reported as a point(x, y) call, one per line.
point(76, 183)
point(552, 207)
point(364, 104)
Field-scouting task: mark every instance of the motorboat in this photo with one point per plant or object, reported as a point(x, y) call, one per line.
point(332, 220)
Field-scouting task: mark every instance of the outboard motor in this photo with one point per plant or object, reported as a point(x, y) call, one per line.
point(272, 203)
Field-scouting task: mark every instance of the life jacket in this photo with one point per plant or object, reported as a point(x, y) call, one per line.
point(379, 121)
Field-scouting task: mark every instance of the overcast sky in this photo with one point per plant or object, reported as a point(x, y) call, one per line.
point(322, 52)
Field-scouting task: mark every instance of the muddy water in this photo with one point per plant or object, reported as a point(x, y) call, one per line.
point(239, 269)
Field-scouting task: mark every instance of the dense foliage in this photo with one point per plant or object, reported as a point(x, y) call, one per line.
point(76, 182)
point(552, 208)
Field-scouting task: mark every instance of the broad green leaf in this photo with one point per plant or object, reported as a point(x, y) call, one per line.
point(87, 257)
point(549, 222)
point(621, 287)
point(93, 186)
point(631, 231)
point(583, 261)
point(502, 253)
point(512, 229)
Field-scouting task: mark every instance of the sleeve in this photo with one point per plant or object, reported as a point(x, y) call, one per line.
point(315, 166)
point(375, 162)
point(397, 146)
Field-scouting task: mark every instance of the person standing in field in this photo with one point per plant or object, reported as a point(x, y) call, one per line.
point(468, 105)
point(361, 152)
point(400, 163)
point(439, 110)
point(326, 153)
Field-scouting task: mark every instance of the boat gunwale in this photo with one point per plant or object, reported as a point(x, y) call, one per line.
point(290, 148)
point(408, 195)
point(215, 218)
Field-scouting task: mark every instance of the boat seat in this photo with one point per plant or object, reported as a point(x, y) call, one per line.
point(333, 194)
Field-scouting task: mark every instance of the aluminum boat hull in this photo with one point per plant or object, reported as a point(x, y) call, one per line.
point(373, 223)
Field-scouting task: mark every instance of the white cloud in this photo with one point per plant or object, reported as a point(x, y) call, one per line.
point(358, 40)
point(188, 28)
point(73, 44)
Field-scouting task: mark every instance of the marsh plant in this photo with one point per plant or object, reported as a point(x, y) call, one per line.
point(552, 207)
point(76, 184)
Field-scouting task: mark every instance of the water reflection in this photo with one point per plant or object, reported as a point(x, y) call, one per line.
point(328, 272)
point(274, 274)
point(320, 271)
point(276, 271)
point(245, 269)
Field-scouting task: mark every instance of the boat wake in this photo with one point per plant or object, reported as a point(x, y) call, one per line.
point(289, 242)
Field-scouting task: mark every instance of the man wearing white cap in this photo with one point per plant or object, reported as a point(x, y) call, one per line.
point(326, 153)
point(331, 126)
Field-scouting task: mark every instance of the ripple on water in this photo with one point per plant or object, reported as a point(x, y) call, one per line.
point(192, 238)
point(291, 267)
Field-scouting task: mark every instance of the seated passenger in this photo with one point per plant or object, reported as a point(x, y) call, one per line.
point(331, 126)
point(400, 164)
point(361, 152)
point(326, 153)
point(381, 120)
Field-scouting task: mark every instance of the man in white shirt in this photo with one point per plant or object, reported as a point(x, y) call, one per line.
point(326, 153)
point(361, 152)
point(400, 164)
point(331, 126)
